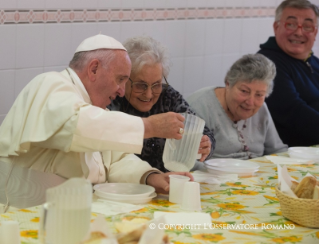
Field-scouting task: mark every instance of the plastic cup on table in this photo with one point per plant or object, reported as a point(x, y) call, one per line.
point(191, 197)
point(176, 185)
point(9, 232)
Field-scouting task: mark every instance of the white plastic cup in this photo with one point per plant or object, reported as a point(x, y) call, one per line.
point(191, 197)
point(10, 232)
point(176, 185)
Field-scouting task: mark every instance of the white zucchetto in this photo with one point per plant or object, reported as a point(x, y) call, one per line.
point(99, 42)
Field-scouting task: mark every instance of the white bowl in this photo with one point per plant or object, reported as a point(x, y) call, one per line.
point(311, 153)
point(127, 199)
point(123, 190)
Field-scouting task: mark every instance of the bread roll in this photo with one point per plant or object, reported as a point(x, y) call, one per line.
point(316, 193)
point(294, 185)
point(306, 187)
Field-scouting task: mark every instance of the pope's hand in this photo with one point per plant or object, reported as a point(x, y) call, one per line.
point(204, 147)
point(161, 181)
point(165, 125)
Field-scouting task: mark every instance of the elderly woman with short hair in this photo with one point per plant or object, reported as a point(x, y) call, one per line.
point(242, 125)
point(148, 93)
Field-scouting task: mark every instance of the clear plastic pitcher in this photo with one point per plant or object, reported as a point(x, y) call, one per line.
point(67, 213)
point(181, 155)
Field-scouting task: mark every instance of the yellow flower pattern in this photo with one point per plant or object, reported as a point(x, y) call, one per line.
point(271, 198)
point(291, 239)
point(161, 202)
point(230, 206)
point(236, 184)
point(245, 192)
point(142, 210)
point(29, 233)
point(215, 215)
point(36, 220)
point(209, 237)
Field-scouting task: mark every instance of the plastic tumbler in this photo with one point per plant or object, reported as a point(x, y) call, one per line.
point(191, 197)
point(176, 185)
point(9, 232)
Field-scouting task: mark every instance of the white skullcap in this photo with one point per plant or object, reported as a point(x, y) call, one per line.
point(98, 42)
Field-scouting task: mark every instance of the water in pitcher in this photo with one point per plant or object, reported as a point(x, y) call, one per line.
point(181, 155)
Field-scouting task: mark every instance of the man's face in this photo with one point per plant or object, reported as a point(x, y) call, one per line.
point(110, 81)
point(296, 43)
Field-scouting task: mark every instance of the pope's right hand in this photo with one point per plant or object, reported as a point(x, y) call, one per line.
point(165, 125)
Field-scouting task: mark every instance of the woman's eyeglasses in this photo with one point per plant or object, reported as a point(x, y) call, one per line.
point(140, 87)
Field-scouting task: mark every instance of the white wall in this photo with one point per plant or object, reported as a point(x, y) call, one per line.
point(204, 36)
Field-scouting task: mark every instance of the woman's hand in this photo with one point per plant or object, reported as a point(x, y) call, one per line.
point(204, 147)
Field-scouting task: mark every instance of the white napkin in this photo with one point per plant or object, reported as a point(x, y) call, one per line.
point(201, 176)
point(106, 207)
point(286, 160)
point(284, 181)
point(194, 219)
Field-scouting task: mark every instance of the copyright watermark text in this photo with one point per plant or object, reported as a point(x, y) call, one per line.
point(262, 226)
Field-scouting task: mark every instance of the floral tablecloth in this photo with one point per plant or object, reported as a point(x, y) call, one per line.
point(246, 211)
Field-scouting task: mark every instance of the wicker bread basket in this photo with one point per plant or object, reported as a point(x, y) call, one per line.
point(302, 211)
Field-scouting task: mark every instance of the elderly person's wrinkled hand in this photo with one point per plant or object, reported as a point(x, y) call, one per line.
point(204, 147)
point(161, 181)
point(165, 125)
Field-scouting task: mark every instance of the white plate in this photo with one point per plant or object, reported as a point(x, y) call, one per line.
point(226, 163)
point(240, 174)
point(131, 200)
point(287, 160)
point(232, 169)
point(123, 190)
point(304, 153)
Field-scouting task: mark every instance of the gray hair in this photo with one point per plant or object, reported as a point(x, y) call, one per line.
point(144, 50)
point(298, 4)
point(81, 59)
point(252, 67)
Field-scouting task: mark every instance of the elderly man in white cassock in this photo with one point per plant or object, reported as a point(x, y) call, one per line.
point(59, 128)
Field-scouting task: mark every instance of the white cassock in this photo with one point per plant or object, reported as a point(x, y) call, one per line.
point(52, 127)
